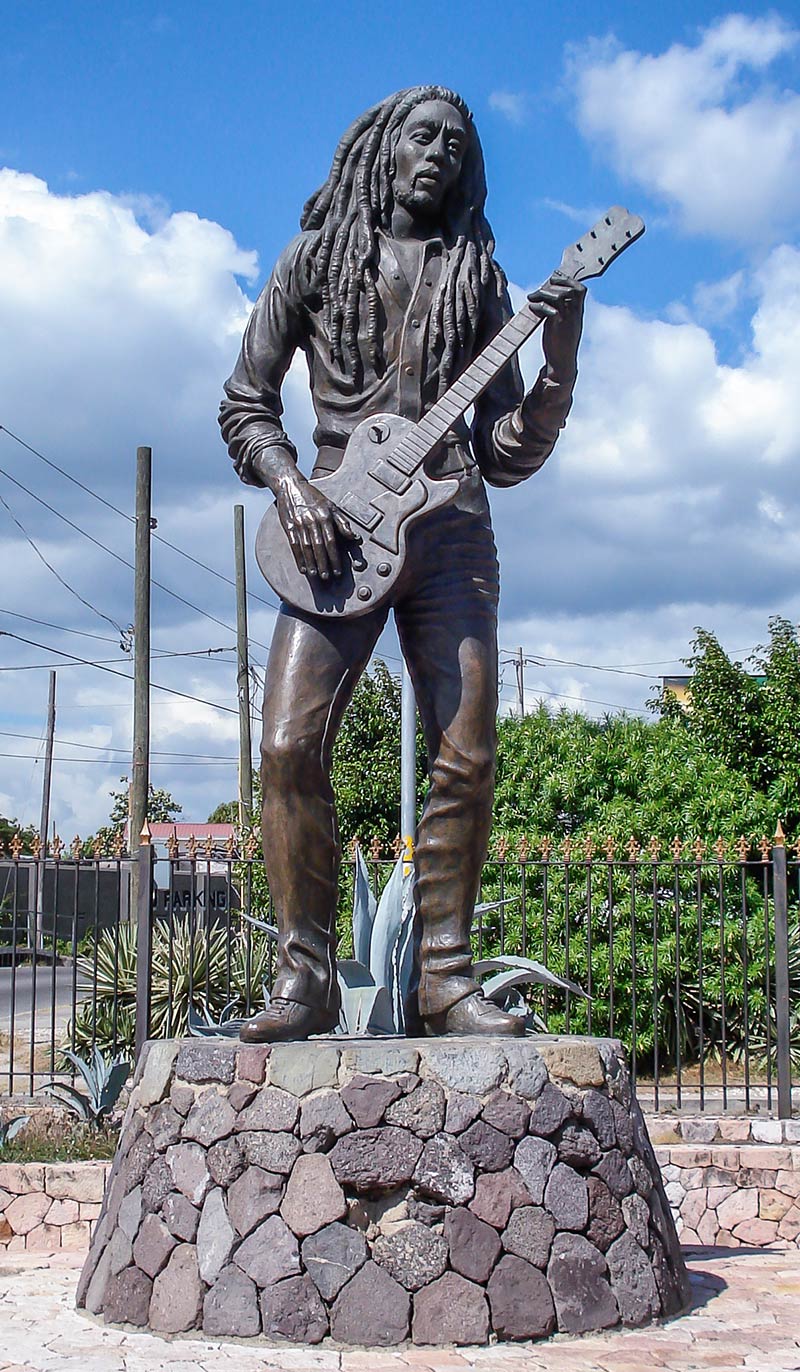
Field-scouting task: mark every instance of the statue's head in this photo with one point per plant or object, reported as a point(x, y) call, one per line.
point(418, 149)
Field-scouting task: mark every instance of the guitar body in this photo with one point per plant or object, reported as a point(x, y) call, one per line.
point(381, 501)
point(382, 485)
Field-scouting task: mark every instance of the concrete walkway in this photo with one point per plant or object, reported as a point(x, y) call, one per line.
point(746, 1315)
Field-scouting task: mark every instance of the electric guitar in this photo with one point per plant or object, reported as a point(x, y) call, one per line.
point(382, 485)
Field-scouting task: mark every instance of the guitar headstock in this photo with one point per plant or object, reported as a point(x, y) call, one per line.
point(597, 249)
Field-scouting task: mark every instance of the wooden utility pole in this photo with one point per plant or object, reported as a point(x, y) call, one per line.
point(35, 932)
point(140, 772)
point(242, 672)
point(519, 668)
point(408, 764)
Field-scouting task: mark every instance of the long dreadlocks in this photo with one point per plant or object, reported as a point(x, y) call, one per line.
point(357, 199)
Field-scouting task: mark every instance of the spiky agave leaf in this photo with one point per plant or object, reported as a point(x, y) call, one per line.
point(69, 1096)
point(11, 1128)
point(515, 971)
point(364, 910)
point(395, 908)
point(117, 1074)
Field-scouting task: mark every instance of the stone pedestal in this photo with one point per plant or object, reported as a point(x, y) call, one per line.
point(439, 1190)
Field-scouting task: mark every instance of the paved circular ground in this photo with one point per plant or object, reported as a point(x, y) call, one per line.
point(744, 1316)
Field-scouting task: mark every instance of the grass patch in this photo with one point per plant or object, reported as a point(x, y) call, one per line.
point(61, 1141)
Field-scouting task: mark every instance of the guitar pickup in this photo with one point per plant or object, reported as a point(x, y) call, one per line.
point(359, 511)
point(389, 477)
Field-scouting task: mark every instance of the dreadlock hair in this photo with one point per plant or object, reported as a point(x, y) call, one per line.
point(357, 199)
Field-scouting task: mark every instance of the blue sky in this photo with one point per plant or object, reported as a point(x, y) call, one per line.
point(156, 160)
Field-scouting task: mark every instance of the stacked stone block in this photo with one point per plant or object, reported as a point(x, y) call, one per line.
point(443, 1191)
point(45, 1207)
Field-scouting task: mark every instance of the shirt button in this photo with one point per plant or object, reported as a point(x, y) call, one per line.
point(396, 276)
point(428, 283)
point(415, 323)
point(409, 371)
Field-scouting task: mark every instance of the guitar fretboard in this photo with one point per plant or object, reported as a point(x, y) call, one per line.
point(410, 454)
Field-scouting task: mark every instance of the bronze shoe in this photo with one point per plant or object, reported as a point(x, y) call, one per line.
point(287, 1021)
point(475, 1015)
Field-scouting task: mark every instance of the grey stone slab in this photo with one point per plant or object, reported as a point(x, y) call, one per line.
point(464, 1066)
point(527, 1073)
point(450, 1310)
point(332, 1256)
point(520, 1300)
point(577, 1146)
point(129, 1215)
point(567, 1198)
point(578, 1278)
point(413, 1255)
point(368, 1098)
point(640, 1175)
point(386, 1057)
point(323, 1120)
point(120, 1250)
point(215, 1237)
point(508, 1113)
point(372, 1309)
point(272, 1109)
point(549, 1112)
point(226, 1161)
point(273, 1152)
point(534, 1159)
point(462, 1111)
point(313, 1196)
point(211, 1118)
point(181, 1098)
point(190, 1175)
point(623, 1126)
point(254, 1196)
point(177, 1301)
point(300, 1068)
point(606, 1220)
point(614, 1171)
point(153, 1246)
point(632, 1281)
point(488, 1149)
point(163, 1124)
point(230, 1308)
point(270, 1253)
point(422, 1110)
point(155, 1079)
point(597, 1113)
point(444, 1172)
point(636, 1213)
point(136, 1162)
point(157, 1185)
point(180, 1217)
point(207, 1059)
point(292, 1310)
point(95, 1290)
point(127, 1297)
point(376, 1159)
point(474, 1245)
point(530, 1233)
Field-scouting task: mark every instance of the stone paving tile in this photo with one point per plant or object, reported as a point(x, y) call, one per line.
point(744, 1320)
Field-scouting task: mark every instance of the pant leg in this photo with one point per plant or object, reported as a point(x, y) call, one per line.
point(312, 672)
point(447, 624)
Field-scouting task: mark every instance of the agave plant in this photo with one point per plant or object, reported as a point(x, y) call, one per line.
point(375, 983)
point(11, 1128)
point(104, 1081)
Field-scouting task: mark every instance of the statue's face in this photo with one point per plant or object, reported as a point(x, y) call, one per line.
point(428, 157)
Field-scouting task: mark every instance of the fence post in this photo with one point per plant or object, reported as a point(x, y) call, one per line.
point(145, 860)
point(781, 907)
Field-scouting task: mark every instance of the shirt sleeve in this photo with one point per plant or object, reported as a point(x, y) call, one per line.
point(513, 434)
point(250, 414)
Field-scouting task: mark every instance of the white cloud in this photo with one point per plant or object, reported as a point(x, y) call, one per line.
point(513, 105)
point(701, 126)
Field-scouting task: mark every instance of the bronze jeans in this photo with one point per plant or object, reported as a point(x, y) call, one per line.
point(445, 605)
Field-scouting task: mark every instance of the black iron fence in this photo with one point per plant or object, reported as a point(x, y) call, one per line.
point(689, 953)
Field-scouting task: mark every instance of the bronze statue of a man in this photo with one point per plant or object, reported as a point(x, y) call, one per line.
point(391, 289)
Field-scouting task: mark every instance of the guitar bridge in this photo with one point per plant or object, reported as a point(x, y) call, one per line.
point(359, 511)
point(389, 477)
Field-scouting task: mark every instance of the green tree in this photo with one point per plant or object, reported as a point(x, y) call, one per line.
point(162, 808)
point(227, 812)
point(10, 827)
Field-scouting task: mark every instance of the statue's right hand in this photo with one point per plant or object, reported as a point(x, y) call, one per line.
point(313, 526)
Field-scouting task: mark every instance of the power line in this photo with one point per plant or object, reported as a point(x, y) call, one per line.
point(63, 628)
point(540, 661)
point(184, 695)
point(251, 595)
point(118, 558)
point(110, 762)
point(111, 748)
point(51, 568)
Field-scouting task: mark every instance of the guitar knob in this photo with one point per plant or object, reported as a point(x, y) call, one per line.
point(364, 593)
point(383, 568)
point(378, 433)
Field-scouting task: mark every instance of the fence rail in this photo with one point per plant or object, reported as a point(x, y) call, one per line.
point(689, 953)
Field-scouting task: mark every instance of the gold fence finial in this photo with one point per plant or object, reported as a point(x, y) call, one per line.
point(145, 835)
point(779, 841)
point(742, 848)
point(77, 848)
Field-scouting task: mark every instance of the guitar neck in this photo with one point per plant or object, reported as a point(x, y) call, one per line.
point(440, 418)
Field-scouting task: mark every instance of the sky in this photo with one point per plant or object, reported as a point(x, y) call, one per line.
point(154, 160)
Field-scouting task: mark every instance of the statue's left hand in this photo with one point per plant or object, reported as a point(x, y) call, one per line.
point(559, 302)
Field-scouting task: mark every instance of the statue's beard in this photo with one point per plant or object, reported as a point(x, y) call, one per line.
point(416, 204)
